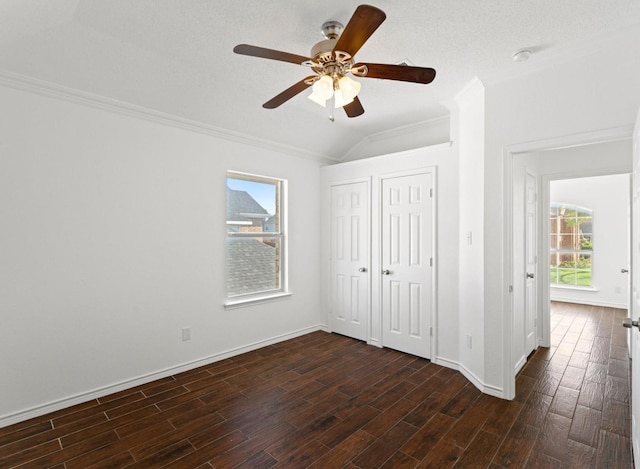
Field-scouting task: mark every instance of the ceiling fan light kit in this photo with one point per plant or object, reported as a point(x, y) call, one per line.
point(332, 61)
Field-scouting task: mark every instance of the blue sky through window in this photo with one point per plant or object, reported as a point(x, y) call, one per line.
point(264, 194)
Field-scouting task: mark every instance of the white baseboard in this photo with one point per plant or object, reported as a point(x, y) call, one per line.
point(520, 364)
point(581, 301)
point(53, 406)
point(447, 363)
point(477, 382)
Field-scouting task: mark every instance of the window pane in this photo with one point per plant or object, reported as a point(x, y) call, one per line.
point(570, 268)
point(253, 265)
point(252, 205)
point(571, 243)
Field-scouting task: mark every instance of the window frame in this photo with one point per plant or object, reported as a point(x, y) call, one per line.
point(556, 232)
point(280, 235)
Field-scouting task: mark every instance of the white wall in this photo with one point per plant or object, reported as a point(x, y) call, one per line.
point(112, 241)
point(443, 158)
point(563, 102)
point(469, 134)
point(423, 134)
point(608, 197)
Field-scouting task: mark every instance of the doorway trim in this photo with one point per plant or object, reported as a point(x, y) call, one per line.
point(508, 153)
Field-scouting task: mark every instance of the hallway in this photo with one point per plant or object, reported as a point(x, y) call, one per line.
point(583, 379)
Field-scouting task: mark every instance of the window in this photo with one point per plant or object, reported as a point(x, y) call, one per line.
point(255, 244)
point(571, 242)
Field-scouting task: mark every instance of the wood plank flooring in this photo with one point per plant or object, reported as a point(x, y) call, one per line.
point(327, 401)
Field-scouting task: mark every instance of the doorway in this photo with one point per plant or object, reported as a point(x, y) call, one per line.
point(569, 162)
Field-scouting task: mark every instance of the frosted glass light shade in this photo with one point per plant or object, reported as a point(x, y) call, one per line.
point(313, 97)
point(350, 88)
point(323, 88)
point(341, 99)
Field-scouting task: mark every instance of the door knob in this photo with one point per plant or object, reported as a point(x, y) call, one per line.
point(362, 269)
point(530, 275)
point(386, 272)
point(629, 323)
point(624, 271)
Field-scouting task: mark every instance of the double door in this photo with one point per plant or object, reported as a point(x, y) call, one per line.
point(384, 291)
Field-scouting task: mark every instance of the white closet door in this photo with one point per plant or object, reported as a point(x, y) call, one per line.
point(350, 253)
point(407, 227)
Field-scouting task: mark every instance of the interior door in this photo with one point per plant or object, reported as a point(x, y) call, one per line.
point(407, 225)
point(531, 260)
point(350, 251)
point(635, 292)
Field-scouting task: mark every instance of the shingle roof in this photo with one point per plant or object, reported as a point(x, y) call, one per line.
point(240, 206)
point(251, 266)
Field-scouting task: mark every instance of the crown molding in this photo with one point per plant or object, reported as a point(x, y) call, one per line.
point(573, 140)
point(75, 96)
point(398, 132)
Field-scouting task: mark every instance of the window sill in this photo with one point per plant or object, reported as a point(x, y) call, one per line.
point(243, 302)
point(575, 287)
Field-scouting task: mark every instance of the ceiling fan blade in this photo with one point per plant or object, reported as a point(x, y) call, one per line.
point(354, 108)
point(399, 72)
point(287, 94)
point(255, 51)
point(361, 26)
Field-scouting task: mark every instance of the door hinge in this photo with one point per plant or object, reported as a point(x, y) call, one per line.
point(510, 288)
point(431, 193)
point(431, 332)
point(431, 262)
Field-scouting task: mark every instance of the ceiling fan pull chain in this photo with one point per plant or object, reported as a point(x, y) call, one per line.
point(331, 104)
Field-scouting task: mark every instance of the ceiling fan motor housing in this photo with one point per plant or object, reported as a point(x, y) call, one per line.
point(323, 47)
point(326, 60)
point(331, 30)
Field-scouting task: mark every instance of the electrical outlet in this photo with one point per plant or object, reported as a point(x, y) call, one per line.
point(469, 341)
point(186, 334)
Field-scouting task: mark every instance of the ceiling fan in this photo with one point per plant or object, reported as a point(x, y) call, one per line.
point(332, 61)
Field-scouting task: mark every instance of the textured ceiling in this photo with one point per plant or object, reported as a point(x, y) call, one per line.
point(175, 56)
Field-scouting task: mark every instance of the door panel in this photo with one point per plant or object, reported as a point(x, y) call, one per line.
point(407, 218)
point(350, 259)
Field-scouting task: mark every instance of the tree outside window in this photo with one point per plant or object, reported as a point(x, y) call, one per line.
point(571, 242)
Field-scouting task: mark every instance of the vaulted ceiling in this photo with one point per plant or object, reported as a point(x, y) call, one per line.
point(175, 56)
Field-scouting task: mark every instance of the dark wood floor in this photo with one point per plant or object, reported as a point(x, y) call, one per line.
point(327, 401)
